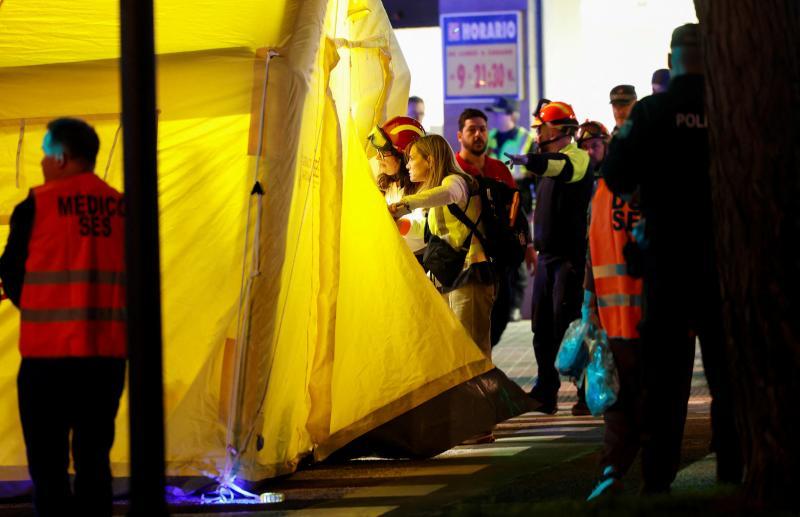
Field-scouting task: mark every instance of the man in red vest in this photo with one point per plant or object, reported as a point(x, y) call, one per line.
point(64, 268)
point(473, 159)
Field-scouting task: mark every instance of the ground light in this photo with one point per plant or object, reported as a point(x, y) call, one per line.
point(231, 493)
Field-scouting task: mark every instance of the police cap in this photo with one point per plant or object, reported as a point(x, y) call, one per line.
point(504, 105)
point(623, 94)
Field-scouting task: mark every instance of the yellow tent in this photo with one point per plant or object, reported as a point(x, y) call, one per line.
point(294, 321)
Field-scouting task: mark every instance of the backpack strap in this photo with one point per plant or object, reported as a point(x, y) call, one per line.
point(466, 221)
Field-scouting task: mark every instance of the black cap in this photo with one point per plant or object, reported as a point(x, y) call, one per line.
point(660, 76)
point(687, 35)
point(623, 94)
point(504, 105)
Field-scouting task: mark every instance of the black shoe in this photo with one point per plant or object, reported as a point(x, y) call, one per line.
point(548, 408)
point(580, 409)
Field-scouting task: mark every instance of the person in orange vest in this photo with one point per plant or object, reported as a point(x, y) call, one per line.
point(64, 268)
point(617, 308)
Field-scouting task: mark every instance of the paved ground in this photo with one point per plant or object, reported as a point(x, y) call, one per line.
point(536, 459)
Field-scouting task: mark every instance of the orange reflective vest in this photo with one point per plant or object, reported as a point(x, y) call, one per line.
point(73, 294)
point(619, 296)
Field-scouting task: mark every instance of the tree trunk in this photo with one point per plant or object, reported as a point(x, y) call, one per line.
point(753, 104)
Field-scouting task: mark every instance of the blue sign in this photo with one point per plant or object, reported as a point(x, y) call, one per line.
point(481, 29)
point(482, 55)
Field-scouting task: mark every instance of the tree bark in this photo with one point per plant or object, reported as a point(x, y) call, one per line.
point(753, 104)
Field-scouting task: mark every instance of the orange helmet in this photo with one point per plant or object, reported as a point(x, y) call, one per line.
point(558, 114)
point(592, 129)
point(396, 134)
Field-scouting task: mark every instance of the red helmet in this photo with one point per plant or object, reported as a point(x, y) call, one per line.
point(558, 114)
point(396, 134)
point(592, 129)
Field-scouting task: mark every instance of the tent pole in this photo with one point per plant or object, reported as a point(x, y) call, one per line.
point(142, 258)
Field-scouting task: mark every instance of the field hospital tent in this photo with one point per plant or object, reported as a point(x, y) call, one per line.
point(295, 318)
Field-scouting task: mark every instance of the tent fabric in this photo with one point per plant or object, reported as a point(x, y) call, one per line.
point(296, 321)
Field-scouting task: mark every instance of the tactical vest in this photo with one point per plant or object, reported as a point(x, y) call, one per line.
point(73, 295)
point(619, 296)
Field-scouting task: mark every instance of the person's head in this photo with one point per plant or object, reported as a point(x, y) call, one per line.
point(555, 124)
point(685, 56)
point(473, 131)
point(430, 160)
point(593, 138)
point(70, 147)
point(391, 142)
point(416, 108)
point(622, 99)
point(660, 80)
point(505, 113)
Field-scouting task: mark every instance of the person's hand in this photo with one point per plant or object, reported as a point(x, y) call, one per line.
point(399, 209)
point(516, 159)
point(530, 260)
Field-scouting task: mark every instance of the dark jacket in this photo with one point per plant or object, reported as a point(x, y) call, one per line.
point(663, 150)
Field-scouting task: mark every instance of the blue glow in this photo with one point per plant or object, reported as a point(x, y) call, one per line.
point(51, 148)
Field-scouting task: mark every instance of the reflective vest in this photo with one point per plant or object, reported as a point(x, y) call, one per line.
point(619, 296)
point(518, 145)
point(445, 225)
point(73, 294)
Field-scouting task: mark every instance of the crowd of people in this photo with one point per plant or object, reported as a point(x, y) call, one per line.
point(605, 238)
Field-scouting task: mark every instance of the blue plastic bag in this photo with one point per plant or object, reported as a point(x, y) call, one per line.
point(573, 354)
point(602, 379)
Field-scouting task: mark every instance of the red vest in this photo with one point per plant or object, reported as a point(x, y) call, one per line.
point(619, 296)
point(73, 295)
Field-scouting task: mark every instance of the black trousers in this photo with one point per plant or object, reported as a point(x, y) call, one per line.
point(677, 309)
point(622, 440)
point(501, 310)
point(557, 297)
point(59, 396)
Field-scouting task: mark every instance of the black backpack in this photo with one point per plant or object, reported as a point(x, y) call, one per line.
point(505, 225)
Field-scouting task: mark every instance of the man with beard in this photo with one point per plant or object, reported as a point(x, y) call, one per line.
point(473, 137)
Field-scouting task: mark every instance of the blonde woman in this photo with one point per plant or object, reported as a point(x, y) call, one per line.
point(471, 294)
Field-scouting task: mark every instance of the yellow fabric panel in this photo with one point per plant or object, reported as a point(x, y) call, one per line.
point(282, 339)
point(328, 344)
point(34, 32)
point(404, 345)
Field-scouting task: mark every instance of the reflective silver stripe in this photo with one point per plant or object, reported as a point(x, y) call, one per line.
point(619, 300)
point(609, 270)
point(79, 314)
point(75, 276)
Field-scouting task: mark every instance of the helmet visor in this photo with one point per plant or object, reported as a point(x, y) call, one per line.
point(379, 142)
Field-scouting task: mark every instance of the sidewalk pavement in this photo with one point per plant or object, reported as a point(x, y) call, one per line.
point(535, 460)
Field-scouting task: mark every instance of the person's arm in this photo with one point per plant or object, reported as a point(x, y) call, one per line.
point(453, 189)
point(628, 152)
point(568, 165)
point(12, 263)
